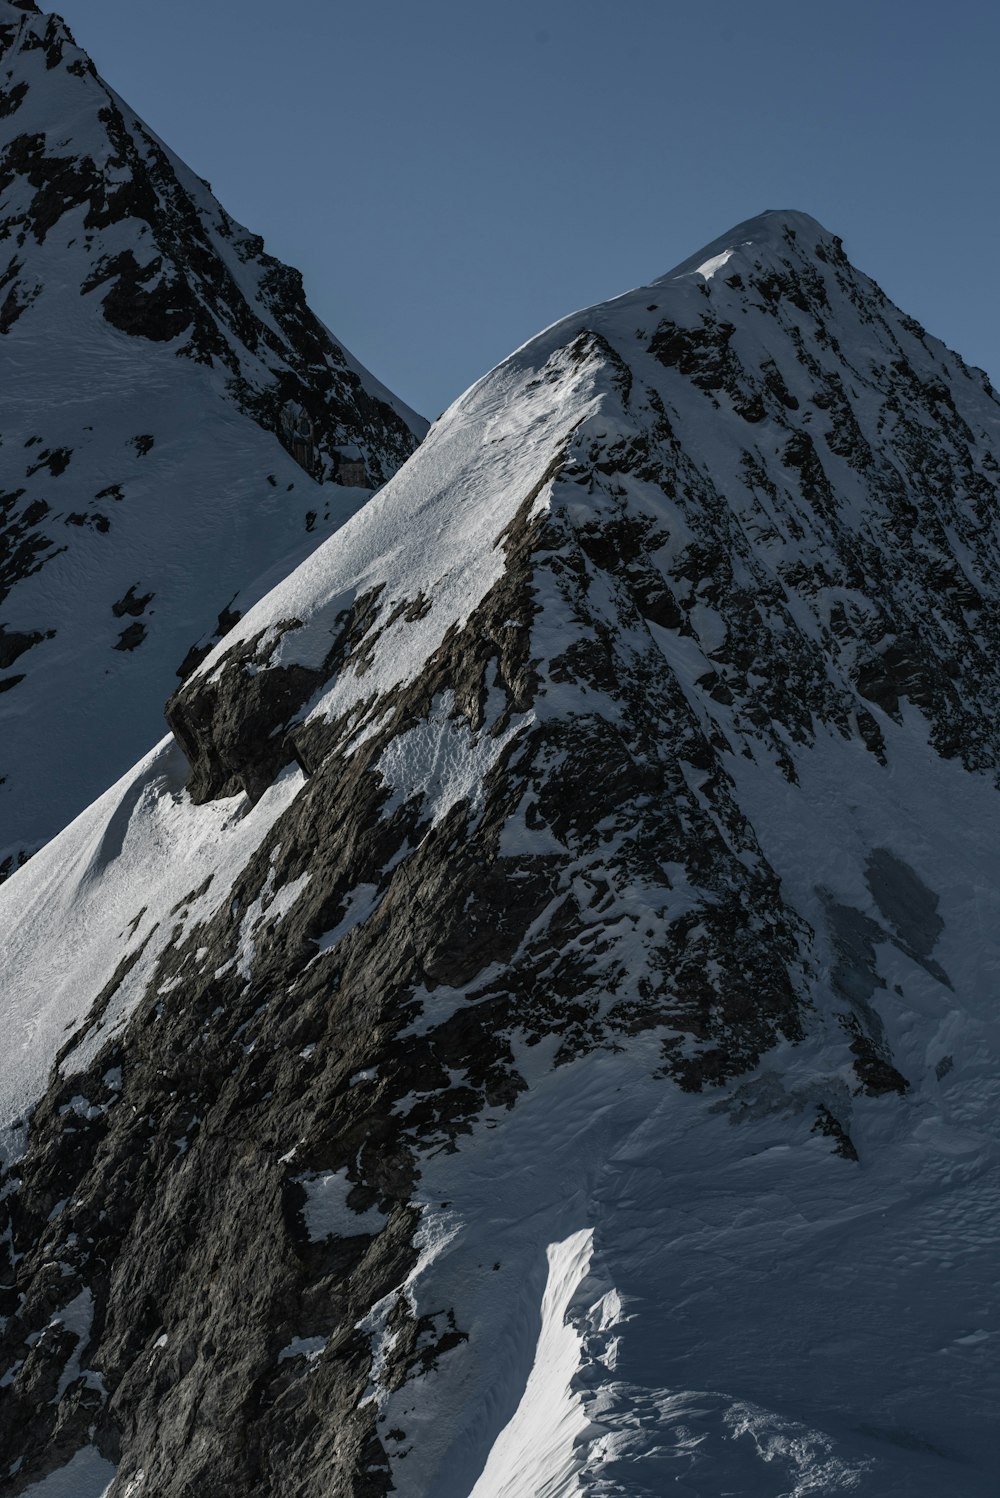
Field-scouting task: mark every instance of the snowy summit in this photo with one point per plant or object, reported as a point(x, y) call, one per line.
point(529, 1027)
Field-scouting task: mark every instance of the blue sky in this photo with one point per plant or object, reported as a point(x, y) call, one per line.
point(452, 175)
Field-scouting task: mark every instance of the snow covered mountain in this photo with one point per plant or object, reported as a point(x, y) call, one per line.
point(178, 429)
point(531, 1028)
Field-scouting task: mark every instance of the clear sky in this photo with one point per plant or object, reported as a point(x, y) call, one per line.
point(452, 175)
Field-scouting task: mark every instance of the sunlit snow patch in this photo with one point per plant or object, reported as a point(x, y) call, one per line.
point(537, 1452)
point(710, 267)
point(93, 898)
point(358, 906)
point(443, 760)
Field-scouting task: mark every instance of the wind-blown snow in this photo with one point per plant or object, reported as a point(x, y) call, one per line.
point(711, 267)
point(437, 535)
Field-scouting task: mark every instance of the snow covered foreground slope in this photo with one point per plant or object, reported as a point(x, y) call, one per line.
point(539, 1038)
point(154, 361)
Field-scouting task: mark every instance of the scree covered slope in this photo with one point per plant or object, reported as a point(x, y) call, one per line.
point(178, 430)
point(530, 1029)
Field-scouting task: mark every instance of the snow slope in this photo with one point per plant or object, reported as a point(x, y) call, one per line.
point(539, 1038)
point(758, 1315)
point(152, 355)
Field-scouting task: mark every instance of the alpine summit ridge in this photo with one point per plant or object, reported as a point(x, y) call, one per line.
point(529, 1027)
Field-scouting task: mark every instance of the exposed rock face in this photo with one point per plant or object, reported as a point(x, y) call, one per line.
point(565, 888)
point(176, 422)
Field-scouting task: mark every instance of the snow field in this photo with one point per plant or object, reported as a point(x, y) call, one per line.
point(100, 893)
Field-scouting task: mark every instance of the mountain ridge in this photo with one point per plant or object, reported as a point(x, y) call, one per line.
point(550, 1051)
point(178, 426)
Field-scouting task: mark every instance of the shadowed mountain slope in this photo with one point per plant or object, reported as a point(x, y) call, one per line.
point(178, 429)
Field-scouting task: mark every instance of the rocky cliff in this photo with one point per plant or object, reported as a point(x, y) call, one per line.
point(178, 428)
point(529, 1029)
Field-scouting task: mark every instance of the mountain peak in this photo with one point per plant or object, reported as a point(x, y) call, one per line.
point(21, 18)
point(775, 228)
point(550, 964)
point(169, 395)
